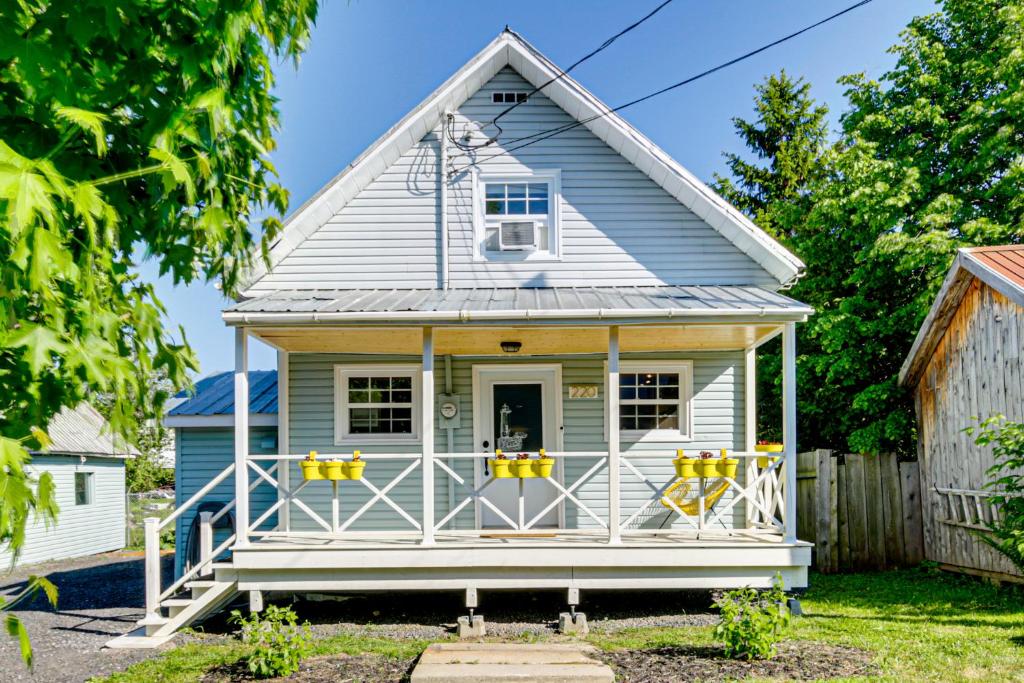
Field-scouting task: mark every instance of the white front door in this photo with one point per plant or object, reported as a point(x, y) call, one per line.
point(517, 408)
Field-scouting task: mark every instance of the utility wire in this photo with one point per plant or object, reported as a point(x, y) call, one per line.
point(545, 134)
point(561, 74)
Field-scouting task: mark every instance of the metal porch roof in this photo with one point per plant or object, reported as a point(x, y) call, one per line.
point(514, 303)
point(215, 395)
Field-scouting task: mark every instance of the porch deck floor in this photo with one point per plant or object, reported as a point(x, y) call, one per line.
point(533, 538)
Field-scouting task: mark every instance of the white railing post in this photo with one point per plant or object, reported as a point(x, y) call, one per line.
point(205, 543)
point(789, 427)
point(241, 436)
point(427, 425)
point(152, 540)
point(284, 515)
point(614, 480)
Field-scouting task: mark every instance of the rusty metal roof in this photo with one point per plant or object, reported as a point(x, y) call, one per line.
point(1007, 261)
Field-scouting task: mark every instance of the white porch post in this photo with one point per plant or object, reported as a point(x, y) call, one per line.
point(750, 421)
point(284, 513)
point(614, 483)
point(241, 436)
point(427, 427)
point(789, 425)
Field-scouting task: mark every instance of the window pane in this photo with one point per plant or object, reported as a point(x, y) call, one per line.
point(401, 396)
point(538, 206)
point(510, 98)
point(516, 191)
point(401, 382)
point(538, 190)
point(627, 380)
point(359, 396)
point(647, 379)
point(670, 393)
point(495, 191)
point(521, 97)
point(380, 382)
point(494, 208)
point(496, 97)
point(627, 393)
point(401, 427)
point(517, 207)
point(491, 240)
point(359, 382)
point(668, 417)
point(646, 423)
point(671, 379)
point(82, 488)
point(647, 392)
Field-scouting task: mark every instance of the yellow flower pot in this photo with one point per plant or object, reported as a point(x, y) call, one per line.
point(542, 467)
point(686, 468)
point(353, 469)
point(523, 469)
point(726, 467)
point(311, 469)
point(334, 470)
point(764, 460)
point(500, 468)
point(707, 468)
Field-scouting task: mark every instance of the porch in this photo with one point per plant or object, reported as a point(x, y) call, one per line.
point(612, 514)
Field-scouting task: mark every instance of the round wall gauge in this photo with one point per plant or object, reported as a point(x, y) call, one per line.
point(449, 409)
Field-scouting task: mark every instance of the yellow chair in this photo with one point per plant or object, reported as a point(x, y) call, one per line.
point(677, 495)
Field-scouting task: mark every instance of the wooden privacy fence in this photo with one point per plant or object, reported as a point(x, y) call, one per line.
point(860, 511)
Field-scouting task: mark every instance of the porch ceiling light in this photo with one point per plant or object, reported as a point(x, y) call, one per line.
point(511, 346)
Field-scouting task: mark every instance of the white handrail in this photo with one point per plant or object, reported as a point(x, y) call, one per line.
point(210, 485)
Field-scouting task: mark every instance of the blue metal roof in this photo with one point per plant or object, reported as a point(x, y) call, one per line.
point(215, 395)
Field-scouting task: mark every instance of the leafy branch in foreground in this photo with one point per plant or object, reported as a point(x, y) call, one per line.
point(13, 625)
point(1007, 441)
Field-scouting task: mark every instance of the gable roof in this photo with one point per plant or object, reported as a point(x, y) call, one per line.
point(211, 402)
point(83, 431)
point(1001, 268)
point(510, 49)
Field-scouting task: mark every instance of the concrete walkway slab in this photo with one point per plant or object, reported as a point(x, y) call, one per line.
point(510, 663)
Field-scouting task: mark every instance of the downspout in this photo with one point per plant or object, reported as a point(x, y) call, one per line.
point(451, 437)
point(443, 177)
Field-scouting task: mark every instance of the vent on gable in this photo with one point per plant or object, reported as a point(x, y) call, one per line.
point(508, 97)
point(517, 236)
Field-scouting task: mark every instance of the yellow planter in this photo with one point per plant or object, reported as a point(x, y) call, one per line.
point(500, 468)
point(707, 468)
point(726, 467)
point(523, 469)
point(334, 470)
point(311, 469)
point(763, 460)
point(686, 468)
point(542, 467)
point(353, 469)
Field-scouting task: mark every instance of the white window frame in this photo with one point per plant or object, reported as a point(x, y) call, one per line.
point(342, 437)
point(685, 370)
point(90, 487)
point(553, 219)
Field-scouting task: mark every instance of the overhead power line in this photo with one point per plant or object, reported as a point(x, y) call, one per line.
point(561, 74)
point(552, 132)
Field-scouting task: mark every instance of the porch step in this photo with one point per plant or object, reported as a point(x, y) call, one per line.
point(138, 640)
point(176, 606)
point(510, 663)
point(199, 587)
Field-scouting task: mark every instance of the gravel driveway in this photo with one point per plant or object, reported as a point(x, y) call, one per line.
point(100, 597)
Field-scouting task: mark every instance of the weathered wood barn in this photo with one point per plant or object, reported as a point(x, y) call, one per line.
point(966, 363)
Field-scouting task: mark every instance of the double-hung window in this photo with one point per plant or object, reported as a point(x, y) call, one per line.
point(376, 404)
point(655, 401)
point(516, 216)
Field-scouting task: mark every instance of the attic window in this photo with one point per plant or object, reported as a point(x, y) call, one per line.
point(509, 97)
point(516, 216)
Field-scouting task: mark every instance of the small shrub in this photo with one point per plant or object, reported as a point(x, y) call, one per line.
point(752, 621)
point(278, 641)
point(1006, 531)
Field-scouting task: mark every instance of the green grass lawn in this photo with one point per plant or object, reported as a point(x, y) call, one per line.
point(920, 625)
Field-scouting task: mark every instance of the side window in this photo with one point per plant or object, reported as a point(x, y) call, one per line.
point(83, 488)
point(655, 401)
point(376, 403)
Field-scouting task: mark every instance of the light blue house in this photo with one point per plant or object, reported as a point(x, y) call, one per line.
point(509, 267)
point(88, 470)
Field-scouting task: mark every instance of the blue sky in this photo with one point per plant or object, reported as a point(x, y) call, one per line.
point(370, 62)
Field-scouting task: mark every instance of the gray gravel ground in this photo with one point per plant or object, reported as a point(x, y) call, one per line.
point(100, 598)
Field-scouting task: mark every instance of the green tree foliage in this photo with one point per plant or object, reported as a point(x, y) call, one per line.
point(127, 128)
point(789, 143)
point(929, 159)
point(1007, 441)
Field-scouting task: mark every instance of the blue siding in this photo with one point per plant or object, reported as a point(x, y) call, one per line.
point(202, 454)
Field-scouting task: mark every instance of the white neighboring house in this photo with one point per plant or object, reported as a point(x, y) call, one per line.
point(585, 295)
point(88, 469)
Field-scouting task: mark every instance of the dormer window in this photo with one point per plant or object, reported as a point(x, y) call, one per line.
point(517, 217)
point(509, 97)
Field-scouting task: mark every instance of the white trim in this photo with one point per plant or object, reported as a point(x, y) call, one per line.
point(552, 221)
point(685, 432)
point(284, 521)
point(90, 487)
point(568, 94)
point(255, 420)
point(525, 372)
point(343, 371)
